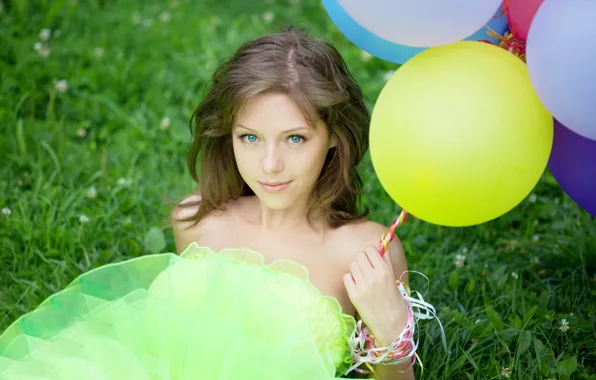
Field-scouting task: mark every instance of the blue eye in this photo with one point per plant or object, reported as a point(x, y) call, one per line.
point(296, 139)
point(249, 138)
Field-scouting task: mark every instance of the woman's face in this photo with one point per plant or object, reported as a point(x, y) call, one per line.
point(278, 154)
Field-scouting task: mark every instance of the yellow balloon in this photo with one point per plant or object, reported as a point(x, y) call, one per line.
point(458, 136)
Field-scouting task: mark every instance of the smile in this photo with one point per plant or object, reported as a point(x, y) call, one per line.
point(274, 187)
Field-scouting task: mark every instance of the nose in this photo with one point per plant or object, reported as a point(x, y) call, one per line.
point(272, 162)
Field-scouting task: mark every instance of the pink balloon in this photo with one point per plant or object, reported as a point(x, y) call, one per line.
point(521, 13)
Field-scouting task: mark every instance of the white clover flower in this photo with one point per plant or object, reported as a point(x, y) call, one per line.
point(165, 123)
point(81, 132)
point(6, 211)
point(44, 52)
point(98, 52)
point(506, 372)
point(83, 218)
point(365, 56)
point(268, 16)
point(62, 85)
point(122, 181)
point(460, 260)
point(532, 198)
point(37, 46)
point(45, 34)
point(515, 275)
point(564, 325)
point(536, 237)
point(165, 17)
point(92, 192)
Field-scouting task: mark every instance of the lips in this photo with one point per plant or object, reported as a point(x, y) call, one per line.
point(274, 187)
point(275, 183)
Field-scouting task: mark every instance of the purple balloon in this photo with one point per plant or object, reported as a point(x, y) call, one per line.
point(573, 164)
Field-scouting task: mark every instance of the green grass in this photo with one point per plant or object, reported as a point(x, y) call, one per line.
point(522, 274)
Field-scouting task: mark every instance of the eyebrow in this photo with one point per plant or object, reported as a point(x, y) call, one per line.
point(286, 131)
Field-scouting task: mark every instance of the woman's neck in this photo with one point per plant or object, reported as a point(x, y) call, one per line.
point(290, 220)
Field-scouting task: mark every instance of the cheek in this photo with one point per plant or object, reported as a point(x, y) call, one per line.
point(242, 161)
point(235, 148)
point(312, 164)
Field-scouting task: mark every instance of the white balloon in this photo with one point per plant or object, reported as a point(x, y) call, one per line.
point(561, 57)
point(421, 23)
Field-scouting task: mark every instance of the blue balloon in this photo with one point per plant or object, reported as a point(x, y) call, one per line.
point(393, 52)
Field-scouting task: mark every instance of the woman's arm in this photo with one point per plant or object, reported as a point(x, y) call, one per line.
point(400, 267)
point(396, 319)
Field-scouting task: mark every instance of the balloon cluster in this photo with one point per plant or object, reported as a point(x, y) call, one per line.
point(465, 128)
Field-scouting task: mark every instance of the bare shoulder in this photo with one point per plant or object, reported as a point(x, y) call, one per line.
point(205, 231)
point(186, 208)
point(359, 235)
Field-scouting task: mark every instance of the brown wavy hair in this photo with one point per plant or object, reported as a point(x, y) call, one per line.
point(313, 73)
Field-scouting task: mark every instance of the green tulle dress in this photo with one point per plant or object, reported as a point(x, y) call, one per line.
point(200, 315)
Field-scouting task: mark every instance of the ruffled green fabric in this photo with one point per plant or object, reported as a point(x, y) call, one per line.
point(202, 315)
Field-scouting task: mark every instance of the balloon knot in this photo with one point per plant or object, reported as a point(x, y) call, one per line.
point(510, 42)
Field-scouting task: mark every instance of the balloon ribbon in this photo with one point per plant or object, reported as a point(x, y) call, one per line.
point(389, 234)
point(510, 42)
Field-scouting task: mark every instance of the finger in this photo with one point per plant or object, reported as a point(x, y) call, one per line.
point(387, 257)
point(374, 256)
point(364, 263)
point(356, 273)
point(349, 283)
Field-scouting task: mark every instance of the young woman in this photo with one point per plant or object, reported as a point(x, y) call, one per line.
point(275, 263)
point(278, 139)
